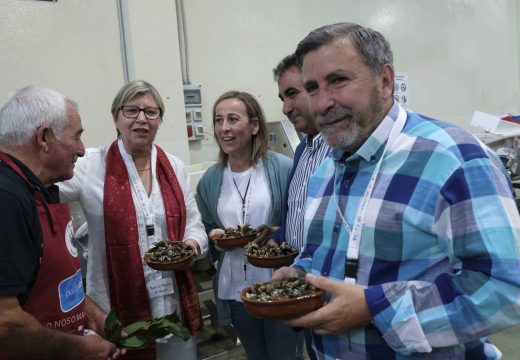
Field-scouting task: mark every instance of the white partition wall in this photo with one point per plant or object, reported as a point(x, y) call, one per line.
point(74, 47)
point(460, 56)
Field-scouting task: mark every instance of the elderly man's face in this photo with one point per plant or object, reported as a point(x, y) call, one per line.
point(346, 98)
point(63, 151)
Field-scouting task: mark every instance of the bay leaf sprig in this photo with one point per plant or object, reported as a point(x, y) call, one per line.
point(142, 333)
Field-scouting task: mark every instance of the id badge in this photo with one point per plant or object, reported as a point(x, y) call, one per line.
point(349, 280)
point(160, 287)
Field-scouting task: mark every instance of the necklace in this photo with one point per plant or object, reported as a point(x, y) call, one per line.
point(143, 169)
point(243, 198)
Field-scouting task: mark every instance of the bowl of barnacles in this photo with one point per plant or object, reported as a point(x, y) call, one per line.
point(282, 299)
point(168, 256)
point(235, 237)
point(270, 256)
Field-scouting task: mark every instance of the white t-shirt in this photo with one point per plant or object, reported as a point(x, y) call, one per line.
point(235, 272)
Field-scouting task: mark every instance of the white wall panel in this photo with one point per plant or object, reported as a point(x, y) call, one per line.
point(70, 46)
point(73, 46)
point(460, 55)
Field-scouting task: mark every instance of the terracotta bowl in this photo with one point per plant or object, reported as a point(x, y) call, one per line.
point(271, 262)
point(169, 266)
point(283, 309)
point(229, 243)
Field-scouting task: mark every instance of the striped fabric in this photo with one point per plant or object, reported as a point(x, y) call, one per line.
point(312, 156)
point(439, 254)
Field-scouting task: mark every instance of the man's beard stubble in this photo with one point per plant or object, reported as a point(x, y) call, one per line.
point(355, 128)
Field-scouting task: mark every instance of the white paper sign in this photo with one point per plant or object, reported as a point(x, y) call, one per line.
point(401, 89)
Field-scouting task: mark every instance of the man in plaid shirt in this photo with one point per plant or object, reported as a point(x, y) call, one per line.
point(410, 223)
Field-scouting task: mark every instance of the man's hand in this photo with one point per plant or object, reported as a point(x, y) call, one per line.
point(100, 349)
point(22, 336)
point(346, 310)
point(262, 235)
point(95, 319)
point(286, 272)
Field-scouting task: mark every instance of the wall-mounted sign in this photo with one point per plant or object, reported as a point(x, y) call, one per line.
point(401, 89)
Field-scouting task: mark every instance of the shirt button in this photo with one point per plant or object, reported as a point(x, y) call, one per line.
point(324, 273)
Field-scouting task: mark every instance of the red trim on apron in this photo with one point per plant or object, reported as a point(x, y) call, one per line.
point(57, 298)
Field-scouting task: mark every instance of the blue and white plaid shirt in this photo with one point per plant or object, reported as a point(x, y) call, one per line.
point(439, 253)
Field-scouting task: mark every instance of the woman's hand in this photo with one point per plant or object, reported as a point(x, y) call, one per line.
point(213, 233)
point(194, 246)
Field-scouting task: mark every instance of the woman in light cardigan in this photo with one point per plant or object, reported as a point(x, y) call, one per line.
point(245, 187)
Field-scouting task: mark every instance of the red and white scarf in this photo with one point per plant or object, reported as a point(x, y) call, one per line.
point(128, 294)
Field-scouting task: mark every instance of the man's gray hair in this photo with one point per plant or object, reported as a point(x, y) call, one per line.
point(372, 46)
point(28, 109)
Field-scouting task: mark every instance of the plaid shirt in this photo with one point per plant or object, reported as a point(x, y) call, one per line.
point(439, 253)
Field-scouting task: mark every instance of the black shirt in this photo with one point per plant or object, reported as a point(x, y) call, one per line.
point(21, 242)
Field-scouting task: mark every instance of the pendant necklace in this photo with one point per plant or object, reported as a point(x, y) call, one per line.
point(243, 198)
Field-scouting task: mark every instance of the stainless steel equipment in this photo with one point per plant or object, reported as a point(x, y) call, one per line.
point(283, 138)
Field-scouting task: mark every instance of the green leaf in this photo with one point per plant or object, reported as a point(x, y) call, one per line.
point(113, 327)
point(132, 342)
point(185, 333)
point(172, 317)
point(158, 329)
point(140, 333)
point(179, 331)
point(136, 327)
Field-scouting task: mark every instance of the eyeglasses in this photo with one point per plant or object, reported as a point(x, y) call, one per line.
point(132, 112)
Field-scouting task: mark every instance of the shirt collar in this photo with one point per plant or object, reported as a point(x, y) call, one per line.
point(370, 149)
point(50, 193)
point(316, 141)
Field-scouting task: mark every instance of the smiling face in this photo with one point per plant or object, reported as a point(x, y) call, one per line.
point(234, 129)
point(138, 134)
point(296, 101)
point(347, 99)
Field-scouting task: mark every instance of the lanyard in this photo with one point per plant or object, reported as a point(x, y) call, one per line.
point(243, 198)
point(243, 215)
point(143, 201)
point(355, 231)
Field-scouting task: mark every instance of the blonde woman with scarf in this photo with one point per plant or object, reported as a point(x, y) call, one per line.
point(133, 193)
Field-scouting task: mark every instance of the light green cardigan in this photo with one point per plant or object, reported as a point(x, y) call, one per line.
point(277, 168)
